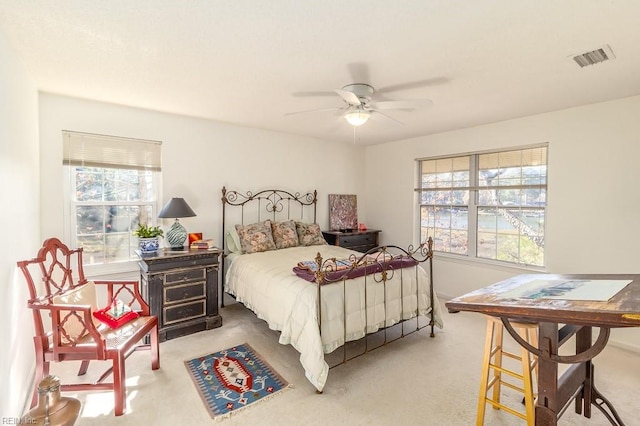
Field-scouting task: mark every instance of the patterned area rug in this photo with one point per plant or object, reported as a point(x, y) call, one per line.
point(233, 379)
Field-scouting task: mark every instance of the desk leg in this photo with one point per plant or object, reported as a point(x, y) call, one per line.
point(546, 409)
point(577, 382)
point(604, 405)
point(583, 400)
point(590, 394)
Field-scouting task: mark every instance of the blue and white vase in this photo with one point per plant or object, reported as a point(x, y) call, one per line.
point(149, 245)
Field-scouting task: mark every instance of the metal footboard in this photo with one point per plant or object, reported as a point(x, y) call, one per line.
point(381, 265)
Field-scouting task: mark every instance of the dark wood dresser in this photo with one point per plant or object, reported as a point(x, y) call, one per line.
point(355, 240)
point(181, 288)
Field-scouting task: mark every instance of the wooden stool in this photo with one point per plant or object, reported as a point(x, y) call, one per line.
point(493, 357)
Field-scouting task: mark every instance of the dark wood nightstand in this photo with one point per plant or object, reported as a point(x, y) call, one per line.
point(356, 240)
point(181, 288)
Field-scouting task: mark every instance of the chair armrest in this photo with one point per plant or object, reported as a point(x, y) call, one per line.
point(70, 324)
point(128, 292)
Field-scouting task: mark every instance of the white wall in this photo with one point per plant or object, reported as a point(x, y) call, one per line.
point(19, 215)
point(199, 157)
point(593, 197)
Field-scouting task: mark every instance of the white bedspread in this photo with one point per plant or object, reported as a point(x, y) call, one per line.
point(265, 283)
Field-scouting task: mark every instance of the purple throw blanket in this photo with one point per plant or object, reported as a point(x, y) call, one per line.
point(359, 271)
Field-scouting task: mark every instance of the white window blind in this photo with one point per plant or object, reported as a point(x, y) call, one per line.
point(93, 150)
point(486, 205)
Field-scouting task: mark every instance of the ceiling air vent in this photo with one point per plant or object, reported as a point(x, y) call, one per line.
point(594, 57)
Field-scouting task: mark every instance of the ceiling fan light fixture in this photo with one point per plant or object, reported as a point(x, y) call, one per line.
point(357, 117)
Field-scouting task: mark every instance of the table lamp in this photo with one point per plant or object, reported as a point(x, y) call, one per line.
point(177, 234)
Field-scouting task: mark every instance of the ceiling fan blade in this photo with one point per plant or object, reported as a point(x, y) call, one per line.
point(413, 84)
point(314, 110)
point(387, 116)
point(349, 97)
point(407, 104)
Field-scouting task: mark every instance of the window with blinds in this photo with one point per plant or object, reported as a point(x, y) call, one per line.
point(489, 205)
point(113, 184)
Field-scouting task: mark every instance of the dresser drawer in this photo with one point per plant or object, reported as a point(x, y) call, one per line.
point(184, 292)
point(361, 241)
point(358, 240)
point(184, 275)
point(184, 311)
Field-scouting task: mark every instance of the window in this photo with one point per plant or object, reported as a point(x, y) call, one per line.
point(113, 184)
point(489, 205)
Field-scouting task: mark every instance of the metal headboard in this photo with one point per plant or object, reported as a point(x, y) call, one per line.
point(274, 204)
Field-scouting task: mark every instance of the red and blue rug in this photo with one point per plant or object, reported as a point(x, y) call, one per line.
point(233, 379)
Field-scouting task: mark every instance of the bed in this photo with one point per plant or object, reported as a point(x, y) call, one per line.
point(317, 295)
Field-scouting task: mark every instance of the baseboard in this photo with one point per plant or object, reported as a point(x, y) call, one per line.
point(625, 345)
point(443, 296)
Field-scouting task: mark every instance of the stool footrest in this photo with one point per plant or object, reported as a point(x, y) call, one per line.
point(509, 410)
point(509, 372)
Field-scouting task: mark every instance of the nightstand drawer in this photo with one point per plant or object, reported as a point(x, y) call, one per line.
point(361, 241)
point(357, 240)
point(184, 311)
point(184, 275)
point(184, 292)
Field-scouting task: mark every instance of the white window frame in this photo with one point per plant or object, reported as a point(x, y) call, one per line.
point(473, 207)
point(70, 203)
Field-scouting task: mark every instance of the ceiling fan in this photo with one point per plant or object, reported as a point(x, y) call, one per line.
point(359, 105)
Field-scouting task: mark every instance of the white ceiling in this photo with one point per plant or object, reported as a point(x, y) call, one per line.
point(250, 62)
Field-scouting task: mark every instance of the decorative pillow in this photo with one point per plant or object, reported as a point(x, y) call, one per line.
point(233, 241)
point(309, 234)
point(115, 315)
point(83, 295)
point(256, 237)
point(284, 234)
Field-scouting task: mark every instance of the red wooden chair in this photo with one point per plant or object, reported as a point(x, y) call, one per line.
point(62, 301)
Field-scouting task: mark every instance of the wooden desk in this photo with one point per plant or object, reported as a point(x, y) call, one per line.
point(558, 321)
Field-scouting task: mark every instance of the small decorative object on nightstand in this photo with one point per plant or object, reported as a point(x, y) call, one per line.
point(355, 240)
point(176, 208)
point(181, 288)
point(148, 237)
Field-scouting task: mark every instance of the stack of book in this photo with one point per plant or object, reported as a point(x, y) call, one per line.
point(202, 244)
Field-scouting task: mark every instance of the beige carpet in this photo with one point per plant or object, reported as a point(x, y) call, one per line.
point(415, 381)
